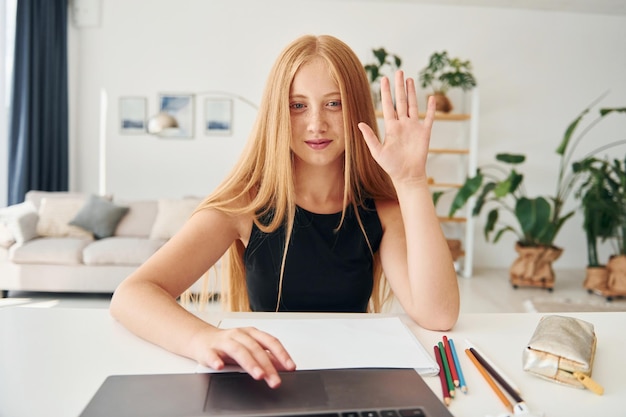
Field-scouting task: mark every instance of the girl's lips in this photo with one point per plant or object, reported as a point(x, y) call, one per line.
point(318, 144)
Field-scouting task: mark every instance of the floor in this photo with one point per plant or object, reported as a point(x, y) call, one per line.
point(487, 291)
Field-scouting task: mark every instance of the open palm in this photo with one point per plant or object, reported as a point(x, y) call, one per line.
point(403, 152)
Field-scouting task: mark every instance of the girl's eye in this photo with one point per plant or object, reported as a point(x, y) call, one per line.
point(334, 103)
point(296, 106)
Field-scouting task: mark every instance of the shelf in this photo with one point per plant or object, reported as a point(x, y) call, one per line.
point(444, 185)
point(439, 116)
point(444, 219)
point(449, 151)
point(465, 166)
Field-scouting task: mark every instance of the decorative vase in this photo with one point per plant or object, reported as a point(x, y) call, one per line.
point(442, 102)
point(616, 269)
point(596, 279)
point(533, 267)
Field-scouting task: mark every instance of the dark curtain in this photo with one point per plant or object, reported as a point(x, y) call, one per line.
point(38, 126)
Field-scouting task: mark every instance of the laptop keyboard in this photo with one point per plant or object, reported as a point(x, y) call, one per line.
point(406, 412)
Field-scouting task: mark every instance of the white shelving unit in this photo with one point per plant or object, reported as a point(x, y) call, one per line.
point(452, 158)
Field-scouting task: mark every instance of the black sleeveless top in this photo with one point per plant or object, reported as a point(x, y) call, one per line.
point(325, 270)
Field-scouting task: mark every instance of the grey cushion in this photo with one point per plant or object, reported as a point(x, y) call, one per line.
point(99, 216)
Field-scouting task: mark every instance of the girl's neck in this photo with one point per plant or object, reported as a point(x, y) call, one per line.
point(319, 189)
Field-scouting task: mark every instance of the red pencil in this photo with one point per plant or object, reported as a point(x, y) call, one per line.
point(442, 378)
point(455, 375)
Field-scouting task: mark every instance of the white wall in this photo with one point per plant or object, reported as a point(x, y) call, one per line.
point(536, 71)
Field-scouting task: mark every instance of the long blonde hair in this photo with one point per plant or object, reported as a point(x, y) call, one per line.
point(262, 180)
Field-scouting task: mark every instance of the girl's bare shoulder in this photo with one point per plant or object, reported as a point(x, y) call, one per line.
point(386, 205)
point(232, 208)
point(388, 211)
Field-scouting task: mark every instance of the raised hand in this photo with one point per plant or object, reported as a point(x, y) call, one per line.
point(403, 152)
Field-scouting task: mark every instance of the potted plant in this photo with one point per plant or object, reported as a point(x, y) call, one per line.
point(603, 202)
point(443, 73)
point(538, 220)
point(375, 70)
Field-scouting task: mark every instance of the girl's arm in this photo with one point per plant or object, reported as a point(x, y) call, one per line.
point(146, 302)
point(414, 252)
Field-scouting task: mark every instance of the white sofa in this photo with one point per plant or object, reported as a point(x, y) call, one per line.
point(41, 250)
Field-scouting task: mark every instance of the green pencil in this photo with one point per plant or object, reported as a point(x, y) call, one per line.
point(446, 367)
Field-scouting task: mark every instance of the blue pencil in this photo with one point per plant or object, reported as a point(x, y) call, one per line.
point(457, 364)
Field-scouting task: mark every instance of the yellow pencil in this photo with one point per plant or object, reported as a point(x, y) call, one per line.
point(490, 381)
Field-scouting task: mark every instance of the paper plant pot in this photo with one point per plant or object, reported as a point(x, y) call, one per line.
point(616, 268)
point(533, 265)
point(596, 278)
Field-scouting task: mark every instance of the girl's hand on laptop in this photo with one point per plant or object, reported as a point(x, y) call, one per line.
point(259, 354)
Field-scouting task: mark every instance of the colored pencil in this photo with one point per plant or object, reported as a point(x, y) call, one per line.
point(457, 364)
point(442, 351)
point(442, 377)
point(490, 381)
point(455, 375)
point(503, 383)
point(493, 365)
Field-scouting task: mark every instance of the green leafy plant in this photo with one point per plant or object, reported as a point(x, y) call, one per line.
point(383, 59)
point(538, 219)
point(443, 73)
point(603, 201)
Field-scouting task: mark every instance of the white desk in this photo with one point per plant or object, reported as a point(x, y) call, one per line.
point(52, 361)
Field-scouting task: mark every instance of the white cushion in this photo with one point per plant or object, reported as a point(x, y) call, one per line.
point(139, 220)
point(49, 250)
point(34, 196)
point(120, 251)
point(55, 215)
point(19, 221)
point(171, 216)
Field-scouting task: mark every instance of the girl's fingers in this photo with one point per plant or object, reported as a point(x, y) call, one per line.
point(276, 350)
point(401, 95)
point(372, 141)
point(389, 112)
point(430, 113)
point(412, 98)
point(258, 353)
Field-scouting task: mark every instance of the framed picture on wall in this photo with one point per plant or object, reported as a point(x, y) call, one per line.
point(218, 116)
point(180, 107)
point(133, 113)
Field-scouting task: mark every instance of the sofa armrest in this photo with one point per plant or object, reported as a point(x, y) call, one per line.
point(21, 221)
point(6, 236)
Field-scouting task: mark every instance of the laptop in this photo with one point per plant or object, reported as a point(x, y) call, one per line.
point(355, 392)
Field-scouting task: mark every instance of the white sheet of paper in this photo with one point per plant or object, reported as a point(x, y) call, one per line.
point(345, 343)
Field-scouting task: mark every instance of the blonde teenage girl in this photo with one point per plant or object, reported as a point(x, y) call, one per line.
point(317, 215)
